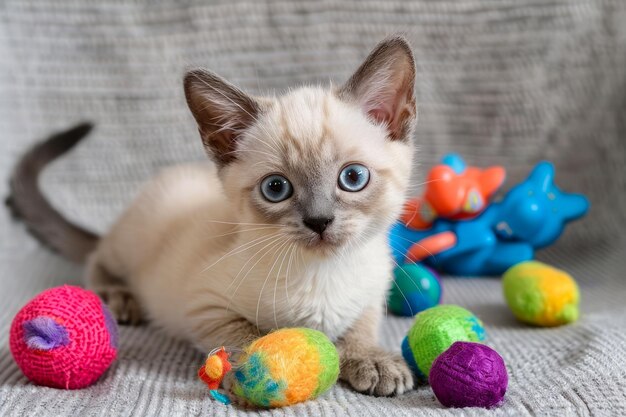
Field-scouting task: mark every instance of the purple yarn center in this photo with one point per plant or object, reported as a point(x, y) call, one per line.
point(110, 324)
point(43, 333)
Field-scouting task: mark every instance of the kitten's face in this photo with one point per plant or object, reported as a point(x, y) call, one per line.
point(319, 168)
point(325, 168)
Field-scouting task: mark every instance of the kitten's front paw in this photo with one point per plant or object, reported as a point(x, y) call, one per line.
point(376, 372)
point(122, 304)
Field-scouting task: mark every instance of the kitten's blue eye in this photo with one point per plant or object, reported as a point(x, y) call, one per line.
point(353, 178)
point(276, 188)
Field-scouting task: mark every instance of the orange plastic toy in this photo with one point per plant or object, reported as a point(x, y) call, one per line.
point(454, 192)
point(213, 370)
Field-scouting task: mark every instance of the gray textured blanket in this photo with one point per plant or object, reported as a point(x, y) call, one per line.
point(508, 82)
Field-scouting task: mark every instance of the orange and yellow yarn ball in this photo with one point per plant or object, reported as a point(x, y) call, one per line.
point(540, 294)
point(286, 367)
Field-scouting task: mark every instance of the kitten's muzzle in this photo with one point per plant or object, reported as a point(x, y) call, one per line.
point(317, 224)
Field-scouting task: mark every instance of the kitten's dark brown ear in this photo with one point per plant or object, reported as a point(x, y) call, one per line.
point(383, 87)
point(223, 112)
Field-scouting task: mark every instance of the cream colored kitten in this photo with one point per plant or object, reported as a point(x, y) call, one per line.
point(287, 228)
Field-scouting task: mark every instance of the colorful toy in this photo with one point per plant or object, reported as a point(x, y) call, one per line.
point(64, 338)
point(282, 368)
point(454, 192)
point(213, 371)
point(434, 331)
point(540, 294)
point(469, 375)
point(416, 288)
point(531, 216)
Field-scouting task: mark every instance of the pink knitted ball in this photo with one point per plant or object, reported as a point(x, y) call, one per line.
point(64, 338)
point(469, 375)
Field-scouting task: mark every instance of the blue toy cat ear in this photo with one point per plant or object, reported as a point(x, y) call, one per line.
point(573, 206)
point(542, 175)
point(455, 162)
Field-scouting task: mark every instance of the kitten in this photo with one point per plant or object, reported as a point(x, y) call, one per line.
point(287, 228)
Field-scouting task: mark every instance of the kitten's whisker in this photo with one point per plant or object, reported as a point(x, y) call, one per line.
point(238, 249)
point(273, 245)
point(411, 219)
point(408, 276)
point(246, 246)
point(425, 182)
point(269, 272)
point(403, 296)
point(400, 289)
point(360, 244)
point(300, 255)
point(244, 231)
point(405, 273)
point(415, 187)
point(293, 250)
point(243, 224)
point(272, 242)
point(286, 251)
point(432, 255)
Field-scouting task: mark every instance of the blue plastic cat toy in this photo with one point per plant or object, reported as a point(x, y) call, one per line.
point(532, 215)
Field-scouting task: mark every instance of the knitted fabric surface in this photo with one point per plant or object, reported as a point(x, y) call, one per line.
point(64, 338)
point(507, 82)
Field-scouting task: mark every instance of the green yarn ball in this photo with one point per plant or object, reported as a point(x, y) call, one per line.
point(434, 331)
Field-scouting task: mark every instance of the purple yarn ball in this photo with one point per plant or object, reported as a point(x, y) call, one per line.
point(469, 375)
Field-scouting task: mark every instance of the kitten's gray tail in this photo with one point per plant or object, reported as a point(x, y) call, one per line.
point(28, 203)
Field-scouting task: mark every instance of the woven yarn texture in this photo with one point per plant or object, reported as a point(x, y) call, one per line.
point(88, 347)
point(469, 375)
point(436, 329)
point(507, 82)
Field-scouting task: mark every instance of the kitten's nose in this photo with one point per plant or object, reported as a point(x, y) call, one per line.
point(317, 224)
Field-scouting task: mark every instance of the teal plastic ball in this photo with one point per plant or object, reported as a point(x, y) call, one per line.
point(415, 288)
